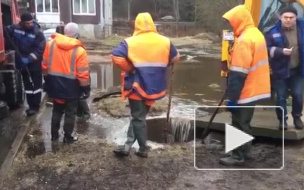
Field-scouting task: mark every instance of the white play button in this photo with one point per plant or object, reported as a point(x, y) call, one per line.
point(235, 138)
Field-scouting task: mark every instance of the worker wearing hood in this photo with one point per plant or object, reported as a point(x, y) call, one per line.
point(144, 59)
point(66, 71)
point(249, 77)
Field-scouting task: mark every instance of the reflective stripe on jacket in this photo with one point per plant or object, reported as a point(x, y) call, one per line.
point(144, 58)
point(30, 44)
point(249, 76)
point(65, 65)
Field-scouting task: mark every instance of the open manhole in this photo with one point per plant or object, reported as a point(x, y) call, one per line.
point(182, 130)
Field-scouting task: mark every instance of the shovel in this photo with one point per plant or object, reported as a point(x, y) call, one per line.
point(167, 131)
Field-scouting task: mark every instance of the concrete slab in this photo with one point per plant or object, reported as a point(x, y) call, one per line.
point(264, 124)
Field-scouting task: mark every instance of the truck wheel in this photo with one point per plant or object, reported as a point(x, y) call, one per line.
point(3, 110)
point(14, 89)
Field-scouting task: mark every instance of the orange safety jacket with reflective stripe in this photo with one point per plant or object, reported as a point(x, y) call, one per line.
point(144, 58)
point(65, 67)
point(249, 76)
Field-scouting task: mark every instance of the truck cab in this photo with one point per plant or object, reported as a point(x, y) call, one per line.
point(11, 86)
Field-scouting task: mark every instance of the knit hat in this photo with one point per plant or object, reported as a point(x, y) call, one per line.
point(289, 9)
point(71, 30)
point(26, 17)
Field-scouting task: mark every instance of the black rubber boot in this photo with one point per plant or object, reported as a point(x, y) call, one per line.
point(281, 125)
point(31, 112)
point(121, 151)
point(142, 154)
point(232, 161)
point(55, 136)
point(298, 123)
point(70, 139)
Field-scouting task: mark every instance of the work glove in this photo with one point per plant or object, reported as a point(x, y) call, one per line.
point(25, 61)
point(232, 106)
point(44, 85)
point(85, 93)
point(224, 66)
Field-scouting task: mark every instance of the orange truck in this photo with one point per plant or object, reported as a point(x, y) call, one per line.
point(11, 86)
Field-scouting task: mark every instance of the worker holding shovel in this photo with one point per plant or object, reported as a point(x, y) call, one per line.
point(249, 77)
point(144, 59)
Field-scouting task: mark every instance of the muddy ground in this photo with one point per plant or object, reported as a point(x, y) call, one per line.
point(90, 164)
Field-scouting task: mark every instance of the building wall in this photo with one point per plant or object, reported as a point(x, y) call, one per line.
point(104, 27)
point(85, 19)
point(91, 26)
point(65, 10)
point(48, 17)
point(108, 12)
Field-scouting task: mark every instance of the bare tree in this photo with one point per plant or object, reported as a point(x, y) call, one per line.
point(155, 10)
point(129, 9)
point(176, 11)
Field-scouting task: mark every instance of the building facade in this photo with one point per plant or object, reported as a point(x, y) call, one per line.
point(93, 16)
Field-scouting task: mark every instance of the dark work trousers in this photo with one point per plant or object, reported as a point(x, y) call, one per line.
point(294, 84)
point(33, 91)
point(83, 108)
point(138, 126)
point(241, 120)
point(69, 111)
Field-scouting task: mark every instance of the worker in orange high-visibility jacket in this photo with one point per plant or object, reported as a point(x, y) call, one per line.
point(249, 76)
point(144, 59)
point(67, 78)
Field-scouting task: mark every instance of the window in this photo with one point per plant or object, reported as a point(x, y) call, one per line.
point(39, 4)
point(55, 6)
point(84, 7)
point(47, 6)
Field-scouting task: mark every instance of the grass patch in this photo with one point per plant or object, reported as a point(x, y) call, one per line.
point(113, 40)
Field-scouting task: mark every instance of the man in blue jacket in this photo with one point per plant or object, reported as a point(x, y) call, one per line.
point(286, 52)
point(29, 42)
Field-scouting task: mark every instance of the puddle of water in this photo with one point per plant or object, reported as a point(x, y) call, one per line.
point(35, 150)
point(102, 76)
point(199, 82)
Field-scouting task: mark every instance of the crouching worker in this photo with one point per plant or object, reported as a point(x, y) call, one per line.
point(249, 77)
point(67, 78)
point(143, 59)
